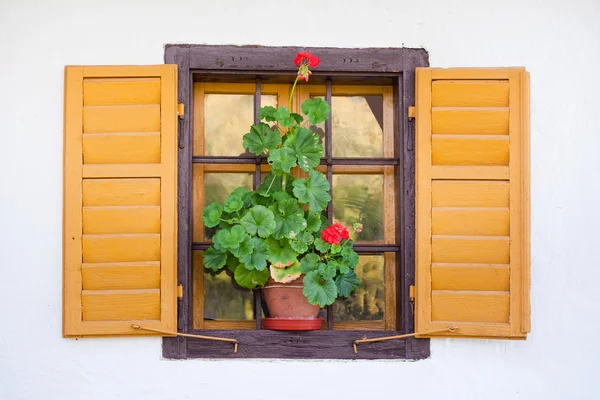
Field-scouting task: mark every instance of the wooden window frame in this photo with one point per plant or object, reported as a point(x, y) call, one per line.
point(390, 66)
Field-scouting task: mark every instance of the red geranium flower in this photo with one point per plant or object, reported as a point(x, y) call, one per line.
point(311, 60)
point(334, 233)
point(300, 57)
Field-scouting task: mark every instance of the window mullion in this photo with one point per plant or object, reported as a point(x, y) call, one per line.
point(328, 128)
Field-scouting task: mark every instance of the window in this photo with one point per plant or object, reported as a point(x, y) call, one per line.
point(370, 167)
point(452, 190)
point(359, 163)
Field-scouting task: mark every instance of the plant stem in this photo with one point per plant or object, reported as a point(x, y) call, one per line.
point(269, 188)
point(292, 93)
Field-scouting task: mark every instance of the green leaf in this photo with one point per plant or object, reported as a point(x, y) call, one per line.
point(316, 109)
point(214, 259)
point(322, 245)
point(313, 222)
point(232, 262)
point(349, 256)
point(309, 263)
point(261, 138)
point(260, 200)
point(258, 258)
point(243, 194)
point(211, 215)
point(259, 220)
point(336, 248)
point(282, 160)
point(244, 249)
point(347, 283)
point(301, 241)
point(319, 290)
point(281, 196)
point(233, 203)
point(250, 278)
point(281, 255)
point(271, 184)
point(289, 182)
point(230, 238)
point(289, 219)
point(267, 113)
point(286, 275)
point(305, 144)
point(328, 270)
point(299, 118)
point(315, 191)
point(284, 118)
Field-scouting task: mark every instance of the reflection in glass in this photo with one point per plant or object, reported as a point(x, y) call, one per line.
point(227, 117)
point(359, 198)
point(357, 126)
point(224, 299)
point(367, 303)
point(218, 186)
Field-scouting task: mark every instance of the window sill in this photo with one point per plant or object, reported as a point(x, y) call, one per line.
point(315, 345)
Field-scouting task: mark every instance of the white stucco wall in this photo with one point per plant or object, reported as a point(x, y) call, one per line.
point(558, 41)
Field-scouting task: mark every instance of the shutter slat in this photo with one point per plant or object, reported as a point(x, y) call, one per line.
point(121, 192)
point(120, 197)
point(465, 150)
point(466, 93)
point(113, 119)
point(472, 213)
point(121, 305)
point(121, 275)
point(470, 121)
point(460, 276)
point(121, 91)
point(121, 148)
point(121, 219)
point(470, 306)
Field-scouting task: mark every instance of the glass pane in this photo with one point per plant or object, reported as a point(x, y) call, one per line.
point(357, 126)
point(225, 300)
point(227, 117)
point(359, 198)
point(367, 303)
point(217, 187)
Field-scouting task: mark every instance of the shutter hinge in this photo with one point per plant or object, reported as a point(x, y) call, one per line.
point(411, 296)
point(180, 110)
point(180, 291)
point(411, 111)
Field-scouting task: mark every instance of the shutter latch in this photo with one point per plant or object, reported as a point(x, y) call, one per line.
point(180, 291)
point(180, 110)
point(411, 111)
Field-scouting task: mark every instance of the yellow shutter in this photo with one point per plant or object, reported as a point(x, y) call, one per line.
point(120, 197)
point(472, 201)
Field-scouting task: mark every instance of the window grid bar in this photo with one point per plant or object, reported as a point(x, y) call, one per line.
point(257, 294)
point(324, 161)
point(359, 248)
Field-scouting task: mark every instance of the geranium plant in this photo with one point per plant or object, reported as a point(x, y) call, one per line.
point(279, 230)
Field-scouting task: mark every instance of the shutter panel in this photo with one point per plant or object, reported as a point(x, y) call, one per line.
point(472, 201)
point(120, 196)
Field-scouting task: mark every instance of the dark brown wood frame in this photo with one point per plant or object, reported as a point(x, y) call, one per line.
point(393, 65)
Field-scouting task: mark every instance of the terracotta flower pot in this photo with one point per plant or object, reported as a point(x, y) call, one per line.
point(289, 308)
